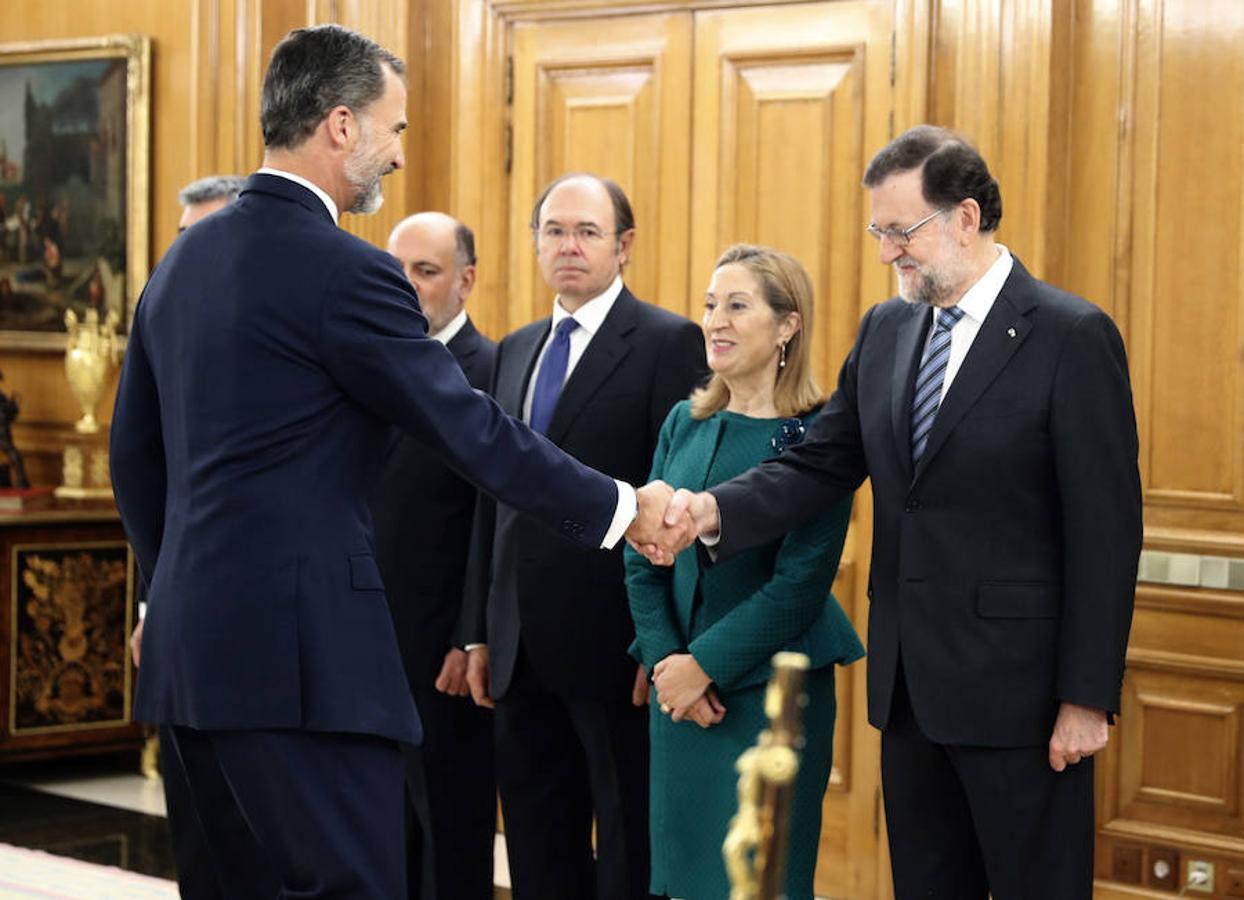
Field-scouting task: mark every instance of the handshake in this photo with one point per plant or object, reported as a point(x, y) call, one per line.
point(669, 521)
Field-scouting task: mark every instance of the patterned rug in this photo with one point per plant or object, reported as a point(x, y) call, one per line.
point(33, 873)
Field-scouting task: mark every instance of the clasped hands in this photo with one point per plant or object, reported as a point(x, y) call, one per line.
point(685, 691)
point(669, 521)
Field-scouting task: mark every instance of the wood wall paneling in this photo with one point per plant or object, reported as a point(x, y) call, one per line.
point(616, 105)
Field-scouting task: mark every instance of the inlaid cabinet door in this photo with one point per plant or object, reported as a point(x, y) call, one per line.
point(609, 95)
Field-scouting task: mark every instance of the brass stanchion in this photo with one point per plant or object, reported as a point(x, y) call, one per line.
point(756, 844)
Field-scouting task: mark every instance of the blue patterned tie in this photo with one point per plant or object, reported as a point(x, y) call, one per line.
point(928, 394)
point(552, 374)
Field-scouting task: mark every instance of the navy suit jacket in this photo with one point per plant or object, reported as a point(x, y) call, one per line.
point(423, 510)
point(1004, 565)
point(269, 354)
point(569, 608)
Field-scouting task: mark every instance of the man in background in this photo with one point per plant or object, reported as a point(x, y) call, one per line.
point(552, 624)
point(422, 513)
point(199, 199)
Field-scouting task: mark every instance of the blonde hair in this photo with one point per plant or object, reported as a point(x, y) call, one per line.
point(786, 287)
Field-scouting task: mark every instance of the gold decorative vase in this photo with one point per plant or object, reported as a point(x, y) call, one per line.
point(89, 359)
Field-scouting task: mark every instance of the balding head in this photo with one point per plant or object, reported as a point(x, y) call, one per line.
point(437, 253)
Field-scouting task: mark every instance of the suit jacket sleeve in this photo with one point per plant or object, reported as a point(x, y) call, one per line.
point(375, 346)
point(649, 587)
point(136, 454)
point(776, 496)
point(1093, 430)
point(784, 608)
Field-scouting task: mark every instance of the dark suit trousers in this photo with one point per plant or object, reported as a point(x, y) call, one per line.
point(453, 800)
point(969, 822)
point(559, 761)
point(298, 813)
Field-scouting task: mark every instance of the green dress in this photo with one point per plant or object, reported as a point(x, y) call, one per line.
point(732, 617)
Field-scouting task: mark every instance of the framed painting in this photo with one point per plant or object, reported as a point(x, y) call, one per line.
point(74, 184)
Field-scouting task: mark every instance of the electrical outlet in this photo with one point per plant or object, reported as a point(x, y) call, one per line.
point(1163, 869)
point(1126, 864)
point(1200, 877)
point(1233, 884)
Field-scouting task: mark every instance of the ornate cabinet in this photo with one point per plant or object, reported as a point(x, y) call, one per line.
point(66, 612)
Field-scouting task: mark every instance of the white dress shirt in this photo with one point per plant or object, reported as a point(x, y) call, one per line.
point(450, 331)
point(976, 303)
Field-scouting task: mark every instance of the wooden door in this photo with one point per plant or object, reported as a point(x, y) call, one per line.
point(609, 95)
point(790, 102)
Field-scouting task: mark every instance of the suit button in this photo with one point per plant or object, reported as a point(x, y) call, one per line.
point(912, 505)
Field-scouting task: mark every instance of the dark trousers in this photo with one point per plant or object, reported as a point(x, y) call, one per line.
point(559, 761)
point(196, 870)
point(297, 813)
point(452, 814)
point(966, 823)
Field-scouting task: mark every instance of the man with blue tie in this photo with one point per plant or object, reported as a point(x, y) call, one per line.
point(992, 414)
point(269, 356)
point(549, 626)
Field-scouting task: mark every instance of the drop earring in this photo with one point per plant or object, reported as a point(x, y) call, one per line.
point(782, 361)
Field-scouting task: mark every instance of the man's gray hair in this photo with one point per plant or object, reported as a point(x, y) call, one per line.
point(314, 70)
point(213, 187)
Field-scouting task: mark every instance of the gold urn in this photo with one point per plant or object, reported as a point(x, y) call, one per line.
point(90, 356)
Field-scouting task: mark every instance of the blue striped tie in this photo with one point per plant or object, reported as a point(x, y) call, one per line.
point(928, 395)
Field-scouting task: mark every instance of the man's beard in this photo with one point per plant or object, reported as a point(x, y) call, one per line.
point(364, 177)
point(933, 284)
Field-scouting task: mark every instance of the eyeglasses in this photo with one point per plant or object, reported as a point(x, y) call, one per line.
point(901, 237)
point(584, 235)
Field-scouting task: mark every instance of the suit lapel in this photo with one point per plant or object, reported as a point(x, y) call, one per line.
point(607, 348)
point(517, 366)
point(908, 348)
point(464, 344)
point(1001, 334)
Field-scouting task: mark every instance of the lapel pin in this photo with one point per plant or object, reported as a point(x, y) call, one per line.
point(1010, 332)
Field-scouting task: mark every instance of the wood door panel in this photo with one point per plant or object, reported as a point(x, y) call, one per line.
point(612, 97)
point(1188, 251)
point(1180, 754)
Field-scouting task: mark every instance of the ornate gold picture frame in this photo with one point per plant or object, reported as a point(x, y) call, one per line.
point(74, 183)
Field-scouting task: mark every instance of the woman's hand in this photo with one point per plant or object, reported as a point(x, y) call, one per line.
point(680, 682)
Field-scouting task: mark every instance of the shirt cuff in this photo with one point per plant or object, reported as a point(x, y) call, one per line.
point(623, 516)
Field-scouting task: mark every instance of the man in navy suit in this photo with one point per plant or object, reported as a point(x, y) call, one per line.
point(551, 623)
point(268, 357)
point(422, 511)
point(993, 414)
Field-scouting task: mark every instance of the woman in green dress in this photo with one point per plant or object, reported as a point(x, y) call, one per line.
point(708, 632)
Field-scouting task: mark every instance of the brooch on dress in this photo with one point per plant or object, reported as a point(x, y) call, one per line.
point(789, 432)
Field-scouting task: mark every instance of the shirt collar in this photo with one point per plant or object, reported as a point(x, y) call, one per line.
point(450, 331)
point(590, 315)
point(980, 297)
point(313, 188)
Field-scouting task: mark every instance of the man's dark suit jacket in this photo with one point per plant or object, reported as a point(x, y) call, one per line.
point(423, 511)
point(1004, 565)
point(571, 606)
point(269, 354)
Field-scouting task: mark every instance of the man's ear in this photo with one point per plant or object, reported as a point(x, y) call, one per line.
point(967, 217)
point(625, 239)
point(466, 281)
point(342, 126)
